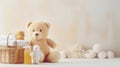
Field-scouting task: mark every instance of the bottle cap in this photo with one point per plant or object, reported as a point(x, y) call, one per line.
point(27, 47)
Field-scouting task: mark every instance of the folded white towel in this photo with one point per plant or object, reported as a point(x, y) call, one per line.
point(12, 43)
point(4, 37)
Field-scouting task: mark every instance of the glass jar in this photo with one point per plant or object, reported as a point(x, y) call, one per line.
point(27, 57)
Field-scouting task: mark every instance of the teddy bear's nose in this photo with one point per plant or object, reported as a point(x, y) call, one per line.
point(36, 34)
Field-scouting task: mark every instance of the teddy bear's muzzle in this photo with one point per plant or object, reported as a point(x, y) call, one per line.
point(36, 34)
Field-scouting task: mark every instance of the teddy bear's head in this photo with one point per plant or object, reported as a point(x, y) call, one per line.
point(38, 30)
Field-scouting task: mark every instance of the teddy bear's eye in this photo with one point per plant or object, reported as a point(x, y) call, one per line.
point(33, 30)
point(40, 30)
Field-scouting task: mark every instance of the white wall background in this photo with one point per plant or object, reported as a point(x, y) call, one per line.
point(72, 21)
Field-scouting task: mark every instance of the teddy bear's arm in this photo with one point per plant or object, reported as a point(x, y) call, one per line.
point(30, 43)
point(51, 43)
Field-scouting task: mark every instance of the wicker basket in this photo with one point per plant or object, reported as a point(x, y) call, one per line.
point(11, 54)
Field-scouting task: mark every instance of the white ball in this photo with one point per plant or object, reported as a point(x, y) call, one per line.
point(97, 48)
point(110, 54)
point(102, 55)
point(90, 54)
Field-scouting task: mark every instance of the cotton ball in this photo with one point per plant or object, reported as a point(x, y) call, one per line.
point(62, 54)
point(81, 54)
point(110, 54)
point(76, 47)
point(97, 48)
point(102, 55)
point(74, 54)
point(90, 54)
point(75, 51)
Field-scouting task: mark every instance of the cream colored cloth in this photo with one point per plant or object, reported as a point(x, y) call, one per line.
point(12, 43)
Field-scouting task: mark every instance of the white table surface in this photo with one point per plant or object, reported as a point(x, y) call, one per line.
point(73, 63)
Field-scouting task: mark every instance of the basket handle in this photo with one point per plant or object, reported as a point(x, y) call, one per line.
point(8, 39)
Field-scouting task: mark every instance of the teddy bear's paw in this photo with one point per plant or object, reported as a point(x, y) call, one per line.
point(53, 57)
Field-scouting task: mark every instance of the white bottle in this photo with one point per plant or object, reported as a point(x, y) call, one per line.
point(36, 54)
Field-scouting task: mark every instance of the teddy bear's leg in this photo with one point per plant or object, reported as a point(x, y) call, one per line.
point(53, 57)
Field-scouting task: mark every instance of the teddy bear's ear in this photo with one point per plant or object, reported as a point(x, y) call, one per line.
point(48, 25)
point(28, 24)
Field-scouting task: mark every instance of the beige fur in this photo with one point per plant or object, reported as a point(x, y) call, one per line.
point(38, 32)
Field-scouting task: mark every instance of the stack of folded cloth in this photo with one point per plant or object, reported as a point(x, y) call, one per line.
point(11, 41)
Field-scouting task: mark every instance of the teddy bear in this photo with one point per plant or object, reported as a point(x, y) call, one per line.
point(20, 35)
point(38, 32)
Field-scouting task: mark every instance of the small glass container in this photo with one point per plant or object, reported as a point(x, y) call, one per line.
point(27, 57)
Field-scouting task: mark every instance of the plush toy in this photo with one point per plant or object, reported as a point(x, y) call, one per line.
point(20, 35)
point(38, 32)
